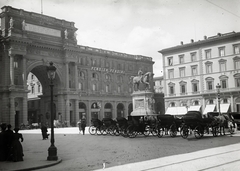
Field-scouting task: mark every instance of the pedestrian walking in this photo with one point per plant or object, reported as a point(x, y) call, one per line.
point(83, 124)
point(79, 125)
point(44, 132)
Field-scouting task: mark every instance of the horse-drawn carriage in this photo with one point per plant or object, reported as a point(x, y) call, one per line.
point(167, 123)
point(193, 122)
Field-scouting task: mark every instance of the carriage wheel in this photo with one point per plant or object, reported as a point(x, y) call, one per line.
point(184, 132)
point(92, 130)
point(147, 130)
point(231, 129)
point(131, 132)
point(173, 131)
point(110, 130)
point(160, 132)
point(98, 130)
point(216, 131)
point(103, 130)
point(154, 131)
point(198, 132)
point(116, 131)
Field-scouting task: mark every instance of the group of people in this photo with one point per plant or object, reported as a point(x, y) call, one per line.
point(10, 145)
point(82, 124)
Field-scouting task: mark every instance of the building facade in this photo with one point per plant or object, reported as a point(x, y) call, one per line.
point(159, 95)
point(192, 72)
point(89, 81)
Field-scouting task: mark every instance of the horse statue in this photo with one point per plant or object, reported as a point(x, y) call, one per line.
point(141, 78)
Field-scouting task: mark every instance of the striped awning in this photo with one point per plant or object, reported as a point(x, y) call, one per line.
point(194, 108)
point(209, 108)
point(176, 110)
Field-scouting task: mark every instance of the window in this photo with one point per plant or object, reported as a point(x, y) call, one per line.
point(171, 90)
point(94, 88)
point(39, 88)
point(211, 101)
point(182, 72)
point(222, 64)
point(225, 100)
point(172, 104)
point(183, 89)
point(181, 59)
point(193, 56)
point(221, 51)
point(80, 86)
point(15, 64)
point(196, 103)
point(93, 62)
point(236, 61)
point(194, 70)
point(33, 89)
point(237, 80)
point(236, 49)
point(208, 54)
point(82, 75)
point(209, 85)
point(171, 87)
point(94, 75)
point(170, 61)
point(223, 83)
point(107, 77)
point(208, 67)
point(195, 87)
point(107, 88)
point(119, 89)
point(170, 73)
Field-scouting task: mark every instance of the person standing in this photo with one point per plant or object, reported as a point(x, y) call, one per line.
point(17, 154)
point(83, 124)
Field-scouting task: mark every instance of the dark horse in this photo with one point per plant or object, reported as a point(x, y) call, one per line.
point(141, 79)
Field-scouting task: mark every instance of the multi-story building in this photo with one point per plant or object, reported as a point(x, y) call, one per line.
point(193, 70)
point(89, 81)
point(159, 95)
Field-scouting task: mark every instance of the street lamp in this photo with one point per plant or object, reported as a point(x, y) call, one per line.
point(218, 96)
point(52, 150)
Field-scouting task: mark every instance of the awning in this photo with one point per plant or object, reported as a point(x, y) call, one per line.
point(224, 108)
point(209, 108)
point(194, 108)
point(176, 110)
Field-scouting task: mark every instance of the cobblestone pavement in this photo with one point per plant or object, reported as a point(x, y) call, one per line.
point(90, 152)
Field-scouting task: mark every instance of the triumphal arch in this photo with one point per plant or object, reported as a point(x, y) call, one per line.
point(89, 81)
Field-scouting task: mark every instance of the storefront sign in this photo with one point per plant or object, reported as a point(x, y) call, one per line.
point(107, 70)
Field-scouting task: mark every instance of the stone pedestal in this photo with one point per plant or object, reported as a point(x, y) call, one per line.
point(143, 103)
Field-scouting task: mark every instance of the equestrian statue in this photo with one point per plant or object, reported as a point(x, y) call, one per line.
point(141, 78)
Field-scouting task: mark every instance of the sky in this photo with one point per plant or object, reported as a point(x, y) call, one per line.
point(140, 27)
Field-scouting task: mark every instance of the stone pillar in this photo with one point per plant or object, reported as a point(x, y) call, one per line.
point(233, 107)
point(76, 76)
point(24, 111)
point(67, 75)
point(76, 111)
point(114, 109)
point(60, 106)
point(67, 114)
point(89, 112)
point(24, 73)
point(11, 69)
point(12, 111)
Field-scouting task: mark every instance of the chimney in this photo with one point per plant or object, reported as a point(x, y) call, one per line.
point(192, 40)
point(205, 37)
point(181, 42)
point(219, 34)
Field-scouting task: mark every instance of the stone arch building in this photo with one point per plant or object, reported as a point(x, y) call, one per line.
point(89, 81)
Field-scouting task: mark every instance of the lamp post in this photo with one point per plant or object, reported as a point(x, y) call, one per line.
point(218, 96)
point(52, 150)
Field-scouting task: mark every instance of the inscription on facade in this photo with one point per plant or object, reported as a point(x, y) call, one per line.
point(42, 30)
point(107, 70)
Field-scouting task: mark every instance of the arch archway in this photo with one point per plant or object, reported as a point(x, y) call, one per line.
point(108, 110)
point(120, 110)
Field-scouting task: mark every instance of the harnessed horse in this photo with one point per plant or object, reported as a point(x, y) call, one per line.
point(141, 79)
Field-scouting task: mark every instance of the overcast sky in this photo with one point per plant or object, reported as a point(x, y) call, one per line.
point(140, 27)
